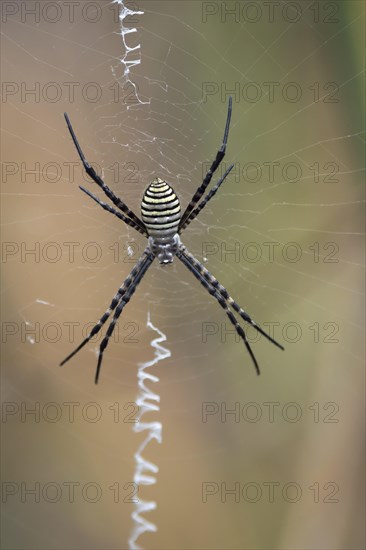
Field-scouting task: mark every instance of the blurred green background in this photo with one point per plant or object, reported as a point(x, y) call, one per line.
point(293, 212)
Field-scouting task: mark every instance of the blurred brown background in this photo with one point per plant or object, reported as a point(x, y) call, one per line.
point(293, 212)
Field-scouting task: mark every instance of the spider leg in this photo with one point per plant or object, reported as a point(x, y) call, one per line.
point(222, 303)
point(224, 293)
point(98, 180)
point(124, 300)
point(205, 200)
point(140, 266)
point(109, 208)
point(219, 156)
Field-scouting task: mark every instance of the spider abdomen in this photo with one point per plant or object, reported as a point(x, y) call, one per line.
point(160, 211)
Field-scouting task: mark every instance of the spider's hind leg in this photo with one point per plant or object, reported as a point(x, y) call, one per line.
point(224, 293)
point(214, 292)
point(124, 293)
point(147, 261)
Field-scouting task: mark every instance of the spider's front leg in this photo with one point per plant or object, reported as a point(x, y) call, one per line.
point(98, 180)
point(205, 200)
point(214, 166)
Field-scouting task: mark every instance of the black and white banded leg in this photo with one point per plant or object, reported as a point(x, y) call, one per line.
point(98, 180)
point(216, 163)
point(221, 300)
point(205, 200)
point(224, 293)
point(123, 295)
point(124, 301)
point(109, 208)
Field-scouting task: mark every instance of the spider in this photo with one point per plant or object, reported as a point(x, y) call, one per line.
point(162, 223)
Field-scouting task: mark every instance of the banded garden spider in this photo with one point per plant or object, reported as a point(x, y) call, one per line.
point(162, 223)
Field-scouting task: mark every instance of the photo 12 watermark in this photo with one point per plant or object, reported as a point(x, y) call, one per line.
point(52, 412)
point(52, 332)
point(71, 92)
point(291, 332)
point(272, 11)
point(67, 11)
point(278, 172)
point(272, 91)
point(65, 172)
point(71, 252)
point(254, 492)
point(271, 412)
point(253, 252)
point(68, 491)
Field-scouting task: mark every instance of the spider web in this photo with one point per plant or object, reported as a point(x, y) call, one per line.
point(284, 235)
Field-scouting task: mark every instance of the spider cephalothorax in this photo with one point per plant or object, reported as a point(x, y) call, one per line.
point(165, 251)
point(161, 224)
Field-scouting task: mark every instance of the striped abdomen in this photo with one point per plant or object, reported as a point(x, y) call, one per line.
point(160, 210)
